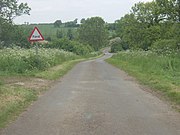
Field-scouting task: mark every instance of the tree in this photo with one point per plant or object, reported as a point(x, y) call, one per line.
point(157, 11)
point(147, 13)
point(75, 21)
point(149, 23)
point(57, 23)
point(83, 20)
point(70, 34)
point(59, 34)
point(72, 23)
point(167, 9)
point(93, 32)
point(178, 9)
point(9, 9)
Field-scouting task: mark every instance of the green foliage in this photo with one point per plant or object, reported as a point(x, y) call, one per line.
point(12, 101)
point(25, 60)
point(159, 71)
point(71, 46)
point(83, 20)
point(149, 23)
point(116, 45)
point(9, 9)
point(48, 39)
point(169, 9)
point(57, 23)
point(175, 29)
point(146, 12)
point(48, 30)
point(70, 34)
point(165, 45)
point(131, 31)
point(93, 32)
point(9, 33)
point(13, 34)
point(71, 23)
point(57, 71)
point(59, 34)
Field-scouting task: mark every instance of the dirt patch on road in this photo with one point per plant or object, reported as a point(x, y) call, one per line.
point(28, 82)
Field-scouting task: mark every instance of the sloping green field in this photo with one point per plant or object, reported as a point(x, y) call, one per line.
point(48, 30)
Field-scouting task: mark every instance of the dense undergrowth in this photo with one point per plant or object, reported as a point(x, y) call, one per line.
point(20, 60)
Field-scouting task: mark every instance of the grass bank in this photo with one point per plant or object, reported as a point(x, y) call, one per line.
point(13, 100)
point(20, 89)
point(161, 72)
point(20, 60)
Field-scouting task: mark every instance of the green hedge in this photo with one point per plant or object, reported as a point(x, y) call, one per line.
point(166, 44)
point(71, 46)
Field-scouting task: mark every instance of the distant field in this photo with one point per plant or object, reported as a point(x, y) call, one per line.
point(48, 30)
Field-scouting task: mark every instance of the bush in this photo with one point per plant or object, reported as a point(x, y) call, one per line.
point(71, 46)
point(19, 60)
point(13, 34)
point(165, 45)
point(117, 45)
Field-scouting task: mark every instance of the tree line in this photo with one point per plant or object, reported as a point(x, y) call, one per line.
point(59, 23)
point(150, 25)
point(9, 32)
point(91, 33)
point(91, 36)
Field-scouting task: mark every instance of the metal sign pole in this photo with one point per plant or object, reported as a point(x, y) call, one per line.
point(36, 49)
point(37, 57)
point(35, 37)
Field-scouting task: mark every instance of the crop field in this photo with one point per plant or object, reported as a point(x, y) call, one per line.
point(159, 71)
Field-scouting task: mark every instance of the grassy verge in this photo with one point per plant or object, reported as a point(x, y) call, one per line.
point(15, 98)
point(158, 71)
point(21, 61)
point(57, 71)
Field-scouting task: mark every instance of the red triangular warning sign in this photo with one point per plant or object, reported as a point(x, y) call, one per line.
point(36, 35)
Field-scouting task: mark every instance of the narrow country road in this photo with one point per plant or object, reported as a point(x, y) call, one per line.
point(95, 98)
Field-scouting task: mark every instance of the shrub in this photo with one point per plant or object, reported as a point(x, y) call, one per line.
point(117, 45)
point(71, 46)
point(165, 45)
point(19, 60)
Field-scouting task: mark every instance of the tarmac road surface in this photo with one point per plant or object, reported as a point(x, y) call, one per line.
point(95, 98)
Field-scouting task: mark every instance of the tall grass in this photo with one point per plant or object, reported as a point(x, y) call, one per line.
point(12, 101)
point(13, 98)
point(161, 71)
point(20, 60)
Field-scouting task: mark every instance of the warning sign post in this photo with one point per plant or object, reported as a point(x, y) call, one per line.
point(34, 38)
point(36, 35)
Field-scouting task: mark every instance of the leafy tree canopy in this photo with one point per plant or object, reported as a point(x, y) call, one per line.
point(149, 23)
point(9, 9)
point(93, 32)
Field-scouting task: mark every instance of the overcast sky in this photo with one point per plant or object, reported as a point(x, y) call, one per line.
point(67, 10)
